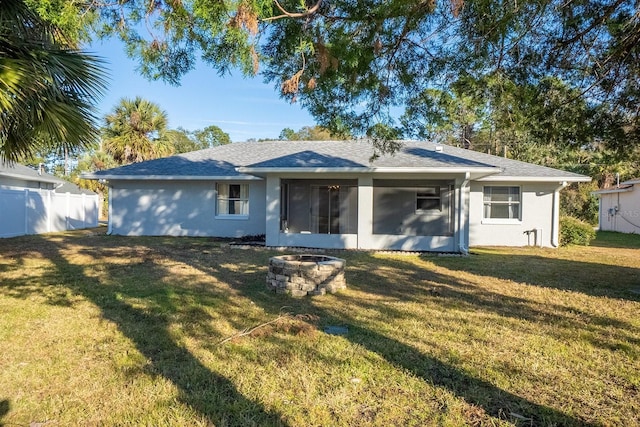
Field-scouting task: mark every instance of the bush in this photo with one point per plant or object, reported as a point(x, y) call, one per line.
point(577, 201)
point(575, 232)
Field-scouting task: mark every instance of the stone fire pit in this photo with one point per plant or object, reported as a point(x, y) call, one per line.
point(301, 275)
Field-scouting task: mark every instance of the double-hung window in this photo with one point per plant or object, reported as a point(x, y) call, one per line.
point(428, 199)
point(502, 203)
point(233, 199)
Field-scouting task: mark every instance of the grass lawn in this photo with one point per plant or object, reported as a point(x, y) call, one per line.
point(109, 330)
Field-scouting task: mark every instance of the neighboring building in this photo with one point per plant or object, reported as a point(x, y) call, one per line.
point(328, 194)
point(35, 202)
point(620, 207)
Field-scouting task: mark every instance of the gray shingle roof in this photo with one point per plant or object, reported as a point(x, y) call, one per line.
point(223, 161)
point(71, 188)
point(195, 164)
point(26, 173)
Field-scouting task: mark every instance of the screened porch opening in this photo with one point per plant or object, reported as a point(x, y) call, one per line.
point(319, 206)
point(413, 207)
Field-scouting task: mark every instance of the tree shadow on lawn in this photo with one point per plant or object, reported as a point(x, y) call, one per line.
point(493, 400)
point(209, 394)
point(5, 406)
point(595, 279)
point(244, 271)
point(457, 293)
point(454, 292)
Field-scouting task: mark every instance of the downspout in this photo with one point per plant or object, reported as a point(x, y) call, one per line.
point(461, 215)
point(555, 216)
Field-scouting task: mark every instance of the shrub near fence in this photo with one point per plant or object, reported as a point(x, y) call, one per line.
point(34, 211)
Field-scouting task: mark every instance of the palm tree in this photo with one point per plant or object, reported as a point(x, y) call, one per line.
point(47, 88)
point(135, 132)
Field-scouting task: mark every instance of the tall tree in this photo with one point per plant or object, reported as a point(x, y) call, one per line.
point(135, 132)
point(493, 114)
point(308, 133)
point(181, 140)
point(211, 136)
point(354, 63)
point(184, 141)
point(72, 18)
point(47, 88)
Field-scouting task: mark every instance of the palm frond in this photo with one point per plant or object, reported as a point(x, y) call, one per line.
point(47, 90)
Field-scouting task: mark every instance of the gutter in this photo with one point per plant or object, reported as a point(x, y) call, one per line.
point(501, 178)
point(170, 177)
point(485, 170)
point(39, 178)
point(613, 191)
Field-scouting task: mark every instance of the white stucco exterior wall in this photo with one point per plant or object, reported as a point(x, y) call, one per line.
point(187, 208)
point(180, 208)
point(537, 206)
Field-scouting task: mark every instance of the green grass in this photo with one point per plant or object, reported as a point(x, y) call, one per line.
point(109, 330)
point(617, 240)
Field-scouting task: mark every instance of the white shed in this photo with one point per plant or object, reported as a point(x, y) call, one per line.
point(620, 207)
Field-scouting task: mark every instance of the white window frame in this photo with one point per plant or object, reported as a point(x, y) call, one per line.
point(223, 195)
point(490, 220)
point(437, 196)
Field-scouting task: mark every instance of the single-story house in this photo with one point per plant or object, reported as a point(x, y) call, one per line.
point(331, 194)
point(35, 202)
point(620, 207)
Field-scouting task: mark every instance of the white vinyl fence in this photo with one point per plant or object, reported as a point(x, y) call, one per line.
point(33, 211)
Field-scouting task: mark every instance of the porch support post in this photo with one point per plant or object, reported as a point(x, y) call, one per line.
point(272, 213)
point(365, 212)
point(462, 211)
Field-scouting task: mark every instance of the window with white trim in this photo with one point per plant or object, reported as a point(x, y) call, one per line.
point(233, 199)
point(428, 199)
point(502, 203)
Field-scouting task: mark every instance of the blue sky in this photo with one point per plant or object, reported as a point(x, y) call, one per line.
point(242, 107)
